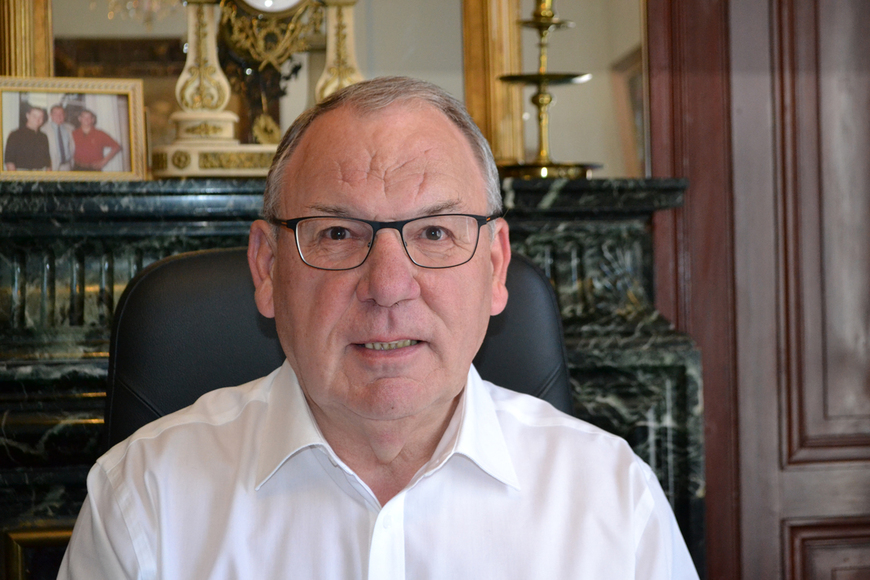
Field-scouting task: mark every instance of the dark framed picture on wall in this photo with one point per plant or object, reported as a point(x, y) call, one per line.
point(71, 129)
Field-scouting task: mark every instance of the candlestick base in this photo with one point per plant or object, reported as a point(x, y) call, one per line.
point(549, 170)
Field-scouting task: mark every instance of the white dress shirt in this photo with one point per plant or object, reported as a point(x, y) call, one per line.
point(243, 485)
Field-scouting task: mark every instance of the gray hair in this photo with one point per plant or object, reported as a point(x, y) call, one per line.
point(374, 95)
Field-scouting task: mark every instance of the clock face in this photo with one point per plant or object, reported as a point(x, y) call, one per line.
point(271, 6)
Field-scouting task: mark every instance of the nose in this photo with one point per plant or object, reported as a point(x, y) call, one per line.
point(388, 275)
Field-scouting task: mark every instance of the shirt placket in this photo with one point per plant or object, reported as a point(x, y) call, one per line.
point(387, 551)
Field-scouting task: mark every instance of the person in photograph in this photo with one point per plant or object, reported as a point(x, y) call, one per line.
point(27, 146)
point(61, 145)
point(91, 143)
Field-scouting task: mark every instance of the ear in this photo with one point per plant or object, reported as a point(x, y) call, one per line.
point(261, 257)
point(500, 254)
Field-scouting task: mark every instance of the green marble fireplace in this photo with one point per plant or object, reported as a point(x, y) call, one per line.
point(67, 250)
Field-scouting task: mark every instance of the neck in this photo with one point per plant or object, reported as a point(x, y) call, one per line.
point(386, 454)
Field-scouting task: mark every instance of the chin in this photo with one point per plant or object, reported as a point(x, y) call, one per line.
point(400, 398)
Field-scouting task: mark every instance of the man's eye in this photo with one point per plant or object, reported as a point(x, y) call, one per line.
point(434, 233)
point(336, 233)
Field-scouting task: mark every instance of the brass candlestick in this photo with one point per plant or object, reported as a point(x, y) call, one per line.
point(544, 20)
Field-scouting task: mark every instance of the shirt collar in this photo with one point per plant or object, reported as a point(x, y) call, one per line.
point(474, 431)
point(289, 425)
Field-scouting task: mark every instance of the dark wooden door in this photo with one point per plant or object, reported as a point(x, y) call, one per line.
point(765, 106)
point(801, 140)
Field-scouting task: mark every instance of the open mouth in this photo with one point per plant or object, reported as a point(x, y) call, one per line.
point(390, 345)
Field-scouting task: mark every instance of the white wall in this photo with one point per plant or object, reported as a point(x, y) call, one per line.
point(89, 19)
point(421, 38)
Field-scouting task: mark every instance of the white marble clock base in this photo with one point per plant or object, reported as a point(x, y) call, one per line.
point(210, 159)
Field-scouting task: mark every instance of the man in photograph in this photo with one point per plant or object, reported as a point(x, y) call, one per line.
point(93, 148)
point(27, 146)
point(61, 145)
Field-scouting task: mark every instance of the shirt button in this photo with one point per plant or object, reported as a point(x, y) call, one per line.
point(388, 521)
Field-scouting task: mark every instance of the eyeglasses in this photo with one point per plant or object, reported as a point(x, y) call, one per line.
point(435, 241)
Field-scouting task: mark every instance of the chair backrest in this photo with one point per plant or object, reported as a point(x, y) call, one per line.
point(188, 324)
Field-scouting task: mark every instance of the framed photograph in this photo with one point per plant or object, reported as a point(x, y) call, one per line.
point(71, 129)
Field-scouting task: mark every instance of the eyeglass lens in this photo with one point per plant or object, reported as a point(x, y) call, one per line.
point(432, 242)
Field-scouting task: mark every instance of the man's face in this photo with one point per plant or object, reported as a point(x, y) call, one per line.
point(86, 119)
point(58, 116)
point(403, 162)
point(34, 117)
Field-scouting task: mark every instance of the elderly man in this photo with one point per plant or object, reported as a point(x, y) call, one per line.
point(61, 145)
point(376, 451)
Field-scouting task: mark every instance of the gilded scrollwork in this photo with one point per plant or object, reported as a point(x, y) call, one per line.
point(159, 161)
point(181, 159)
point(205, 88)
point(269, 40)
point(203, 130)
point(340, 69)
point(234, 160)
point(266, 130)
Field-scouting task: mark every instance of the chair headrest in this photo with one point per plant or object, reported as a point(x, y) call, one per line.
point(188, 324)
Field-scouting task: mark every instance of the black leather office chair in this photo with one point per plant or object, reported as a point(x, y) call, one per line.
point(188, 324)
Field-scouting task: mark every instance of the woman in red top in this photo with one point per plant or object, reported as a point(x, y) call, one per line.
point(91, 143)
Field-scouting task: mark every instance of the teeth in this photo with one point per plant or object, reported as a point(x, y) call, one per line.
point(390, 345)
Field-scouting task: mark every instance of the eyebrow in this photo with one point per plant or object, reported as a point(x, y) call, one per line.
point(339, 211)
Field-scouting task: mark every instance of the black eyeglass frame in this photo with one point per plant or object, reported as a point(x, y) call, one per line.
point(377, 226)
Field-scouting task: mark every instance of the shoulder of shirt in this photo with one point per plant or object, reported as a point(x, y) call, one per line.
point(215, 408)
point(536, 413)
point(539, 415)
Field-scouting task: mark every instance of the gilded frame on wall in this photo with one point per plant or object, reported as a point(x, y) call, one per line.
point(21, 551)
point(491, 48)
point(117, 131)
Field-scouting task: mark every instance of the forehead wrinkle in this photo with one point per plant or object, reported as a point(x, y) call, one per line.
point(416, 172)
point(354, 172)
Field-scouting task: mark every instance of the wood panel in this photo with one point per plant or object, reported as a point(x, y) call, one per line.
point(801, 137)
point(689, 131)
point(828, 549)
point(826, 102)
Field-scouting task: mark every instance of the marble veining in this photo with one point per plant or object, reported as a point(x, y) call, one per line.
point(593, 197)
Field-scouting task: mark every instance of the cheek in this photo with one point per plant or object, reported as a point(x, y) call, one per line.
point(309, 303)
point(462, 302)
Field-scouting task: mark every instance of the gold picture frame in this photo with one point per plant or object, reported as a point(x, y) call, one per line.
point(110, 145)
point(17, 544)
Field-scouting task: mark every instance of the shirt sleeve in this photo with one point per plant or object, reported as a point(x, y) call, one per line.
point(107, 141)
point(661, 552)
point(101, 547)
